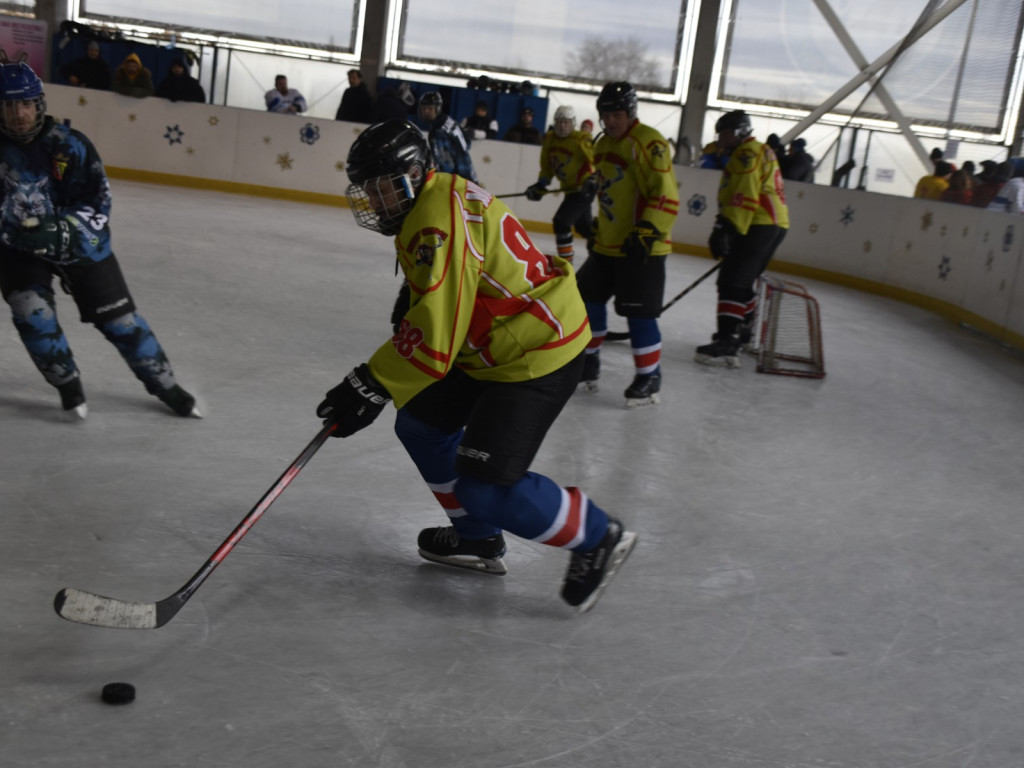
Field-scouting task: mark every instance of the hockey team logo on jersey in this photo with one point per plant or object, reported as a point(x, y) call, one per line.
point(60, 166)
point(426, 244)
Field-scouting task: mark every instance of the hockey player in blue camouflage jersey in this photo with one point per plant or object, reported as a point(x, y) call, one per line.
point(448, 144)
point(54, 223)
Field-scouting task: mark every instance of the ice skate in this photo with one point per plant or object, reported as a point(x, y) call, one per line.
point(644, 390)
point(444, 546)
point(591, 372)
point(72, 399)
point(590, 572)
point(180, 401)
point(720, 352)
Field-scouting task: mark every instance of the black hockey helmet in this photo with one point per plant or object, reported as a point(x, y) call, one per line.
point(616, 96)
point(430, 99)
point(386, 166)
point(736, 121)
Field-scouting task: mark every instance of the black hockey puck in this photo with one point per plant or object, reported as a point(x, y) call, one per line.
point(118, 693)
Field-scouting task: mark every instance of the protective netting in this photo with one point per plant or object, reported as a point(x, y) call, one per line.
point(788, 330)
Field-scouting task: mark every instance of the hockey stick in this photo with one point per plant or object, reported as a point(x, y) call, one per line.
point(544, 192)
point(623, 335)
point(88, 608)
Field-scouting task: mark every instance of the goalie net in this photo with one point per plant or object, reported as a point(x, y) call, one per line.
point(789, 324)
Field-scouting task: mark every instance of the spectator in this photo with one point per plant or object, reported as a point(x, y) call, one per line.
point(992, 178)
point(393, 103)
point(524, 132)
point(356, 102)
point(711, 156)
point(937, 156)
point(480, 125)
point(179, 85)
point(1010, 198)
point(133, 79)
point(638, 201)
point(56, 224)
point(798, 164)
point(752, 222)
point(587, 126)
point(568, 155)
point(284, 100)
point(89, 71)
point(448, 143)
point(961, 188)
point(932, 185)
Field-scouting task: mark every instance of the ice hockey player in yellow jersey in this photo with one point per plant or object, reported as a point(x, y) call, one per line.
point(637, 200)
point(568, 155)
point(484, 357)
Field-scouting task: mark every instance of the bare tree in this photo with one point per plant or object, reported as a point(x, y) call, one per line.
point(608, 60)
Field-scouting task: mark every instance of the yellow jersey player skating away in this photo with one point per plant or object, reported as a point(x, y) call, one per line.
point(568, 155)
point(638, 200)
point(486, 354)
point(752, 221)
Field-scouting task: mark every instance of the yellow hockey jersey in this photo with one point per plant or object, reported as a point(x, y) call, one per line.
point(570, 160)
point(752, 190)
point(484, 297)
point(636, 182)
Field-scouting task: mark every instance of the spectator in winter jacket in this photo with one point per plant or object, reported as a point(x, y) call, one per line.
point(179, 85)
point(89, 71)
point(133, 79)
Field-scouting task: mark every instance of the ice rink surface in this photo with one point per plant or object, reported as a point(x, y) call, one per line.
point(829, 573)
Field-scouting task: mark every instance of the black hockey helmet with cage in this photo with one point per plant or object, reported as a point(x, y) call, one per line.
point(387, 165)
point(618, 96)
point(736, 121)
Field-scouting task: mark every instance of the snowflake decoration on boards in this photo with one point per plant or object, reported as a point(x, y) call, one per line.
point(214, 120)
point(846, 216)
point(174, 134)
point(945, 267)
point(340, 165)
point(697, 204)
point(926, 221)
point(285, 161)
point(309, 134)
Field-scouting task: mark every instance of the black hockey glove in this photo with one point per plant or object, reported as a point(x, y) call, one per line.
point(401, 308)
point(49, 237)
point(640, 240)
point(354, 403)
point(589, 187)
point(723, 238)
point(536, 191)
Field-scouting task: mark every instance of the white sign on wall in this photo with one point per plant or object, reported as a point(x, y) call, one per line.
point(887, 175)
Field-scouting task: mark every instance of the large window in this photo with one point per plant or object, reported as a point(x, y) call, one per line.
point(785, 53)
point(590, 41)
point(328, 24)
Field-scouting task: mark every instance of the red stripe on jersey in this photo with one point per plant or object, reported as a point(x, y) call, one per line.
point(570, 337)
point(571, 528)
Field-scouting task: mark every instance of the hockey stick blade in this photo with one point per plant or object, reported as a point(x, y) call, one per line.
point(89, 608)
point(623, 335)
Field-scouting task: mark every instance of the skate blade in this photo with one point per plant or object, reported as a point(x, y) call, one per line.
point(494, 566)
point(76, 414)
point(634, 402)
point(619, 554)
point(588, 386)
point(717, 362)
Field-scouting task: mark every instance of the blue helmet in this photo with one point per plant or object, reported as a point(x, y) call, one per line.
point(19, 85)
